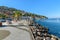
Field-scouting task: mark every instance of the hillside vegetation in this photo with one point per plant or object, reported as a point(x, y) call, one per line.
point(12, 12)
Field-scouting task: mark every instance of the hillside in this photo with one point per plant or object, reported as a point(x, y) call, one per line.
point(10, 11)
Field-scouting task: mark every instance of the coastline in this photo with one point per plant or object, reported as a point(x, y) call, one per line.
point(37, 28)
point(50, 34)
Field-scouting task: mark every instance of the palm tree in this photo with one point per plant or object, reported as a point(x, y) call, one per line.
point(17, 15)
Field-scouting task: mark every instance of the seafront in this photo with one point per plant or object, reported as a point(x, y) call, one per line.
point(16, 31)
point(24, 30)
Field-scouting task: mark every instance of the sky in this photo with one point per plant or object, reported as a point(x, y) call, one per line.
point(49, 8)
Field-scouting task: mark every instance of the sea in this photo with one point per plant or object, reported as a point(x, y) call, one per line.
point(53, 24)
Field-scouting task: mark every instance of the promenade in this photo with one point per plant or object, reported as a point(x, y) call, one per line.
point(24, 30)
point(16, 31)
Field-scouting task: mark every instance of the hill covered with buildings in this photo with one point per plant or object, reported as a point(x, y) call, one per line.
point(6, 12)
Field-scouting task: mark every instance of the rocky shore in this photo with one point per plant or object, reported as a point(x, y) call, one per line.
point(41, 33)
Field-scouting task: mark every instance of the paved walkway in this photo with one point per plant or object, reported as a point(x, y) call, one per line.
point(16, 34)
